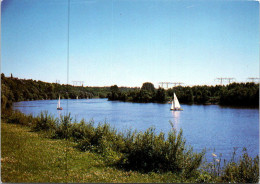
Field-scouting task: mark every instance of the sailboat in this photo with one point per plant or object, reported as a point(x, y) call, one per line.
point(175, 104)
point(58, 105)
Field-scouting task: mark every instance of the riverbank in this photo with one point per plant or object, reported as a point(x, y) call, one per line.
point(29, 157)
point(37, 149)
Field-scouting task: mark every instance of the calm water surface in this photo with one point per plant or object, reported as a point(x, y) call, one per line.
point(204, 126)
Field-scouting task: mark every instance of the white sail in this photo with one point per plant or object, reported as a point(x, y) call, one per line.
point(176, 102)
point(59, 103)
point(172, 107)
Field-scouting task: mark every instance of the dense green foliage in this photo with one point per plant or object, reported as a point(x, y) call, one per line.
point(148, 86)
point(240, 94)
point(141, 151)
point(14, 90)
point(138, 95)
point(235, 94)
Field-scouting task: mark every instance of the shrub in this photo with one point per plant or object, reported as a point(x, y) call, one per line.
point(45, 122)
point(98, 139)
point(63, 129)
point(17, 117)
point(151, 152)
point(82, 130)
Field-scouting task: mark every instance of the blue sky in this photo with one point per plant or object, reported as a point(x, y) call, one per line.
point(128, 42)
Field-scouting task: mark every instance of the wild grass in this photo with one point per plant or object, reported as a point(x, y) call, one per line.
point(244, 170)
point(29, 157)
point(141, 152)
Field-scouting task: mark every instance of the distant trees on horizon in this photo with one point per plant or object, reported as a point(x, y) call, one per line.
point(236, 94)
point(14, 90)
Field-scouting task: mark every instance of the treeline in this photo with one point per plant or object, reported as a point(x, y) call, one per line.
point(146, 94)
point(235, 94)
point(14, 90)
point(142, 151)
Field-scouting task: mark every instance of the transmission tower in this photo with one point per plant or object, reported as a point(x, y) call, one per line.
point(221, 79)
point(177, 83)
point(75, 83)
point(253, 79)
point(167, 84)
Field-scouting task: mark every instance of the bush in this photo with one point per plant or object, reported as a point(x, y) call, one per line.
point(45, 122)
point(82, 130)
point(17, 117)
point(63, 129)
point(151, 152)
point(100, 138)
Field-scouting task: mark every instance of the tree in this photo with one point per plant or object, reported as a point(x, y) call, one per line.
point(148, 86)
point(114, 89)
point(114, 93)
point(160, 95)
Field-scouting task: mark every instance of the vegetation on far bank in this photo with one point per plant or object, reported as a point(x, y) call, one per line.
point(235, 94)
point(14, 90)
point(144, 154)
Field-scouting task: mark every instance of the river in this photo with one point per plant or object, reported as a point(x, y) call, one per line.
point(218, 129)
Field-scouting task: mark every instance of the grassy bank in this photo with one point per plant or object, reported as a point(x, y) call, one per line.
point(30, 157)
point(46, 149)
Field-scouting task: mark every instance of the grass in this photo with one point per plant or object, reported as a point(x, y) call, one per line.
point(30, 157)
point(140, 151)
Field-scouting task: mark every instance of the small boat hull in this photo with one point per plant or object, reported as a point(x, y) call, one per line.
point(59, 108)
point(176, 109)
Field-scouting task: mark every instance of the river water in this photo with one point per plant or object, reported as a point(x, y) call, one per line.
point(218, 129)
